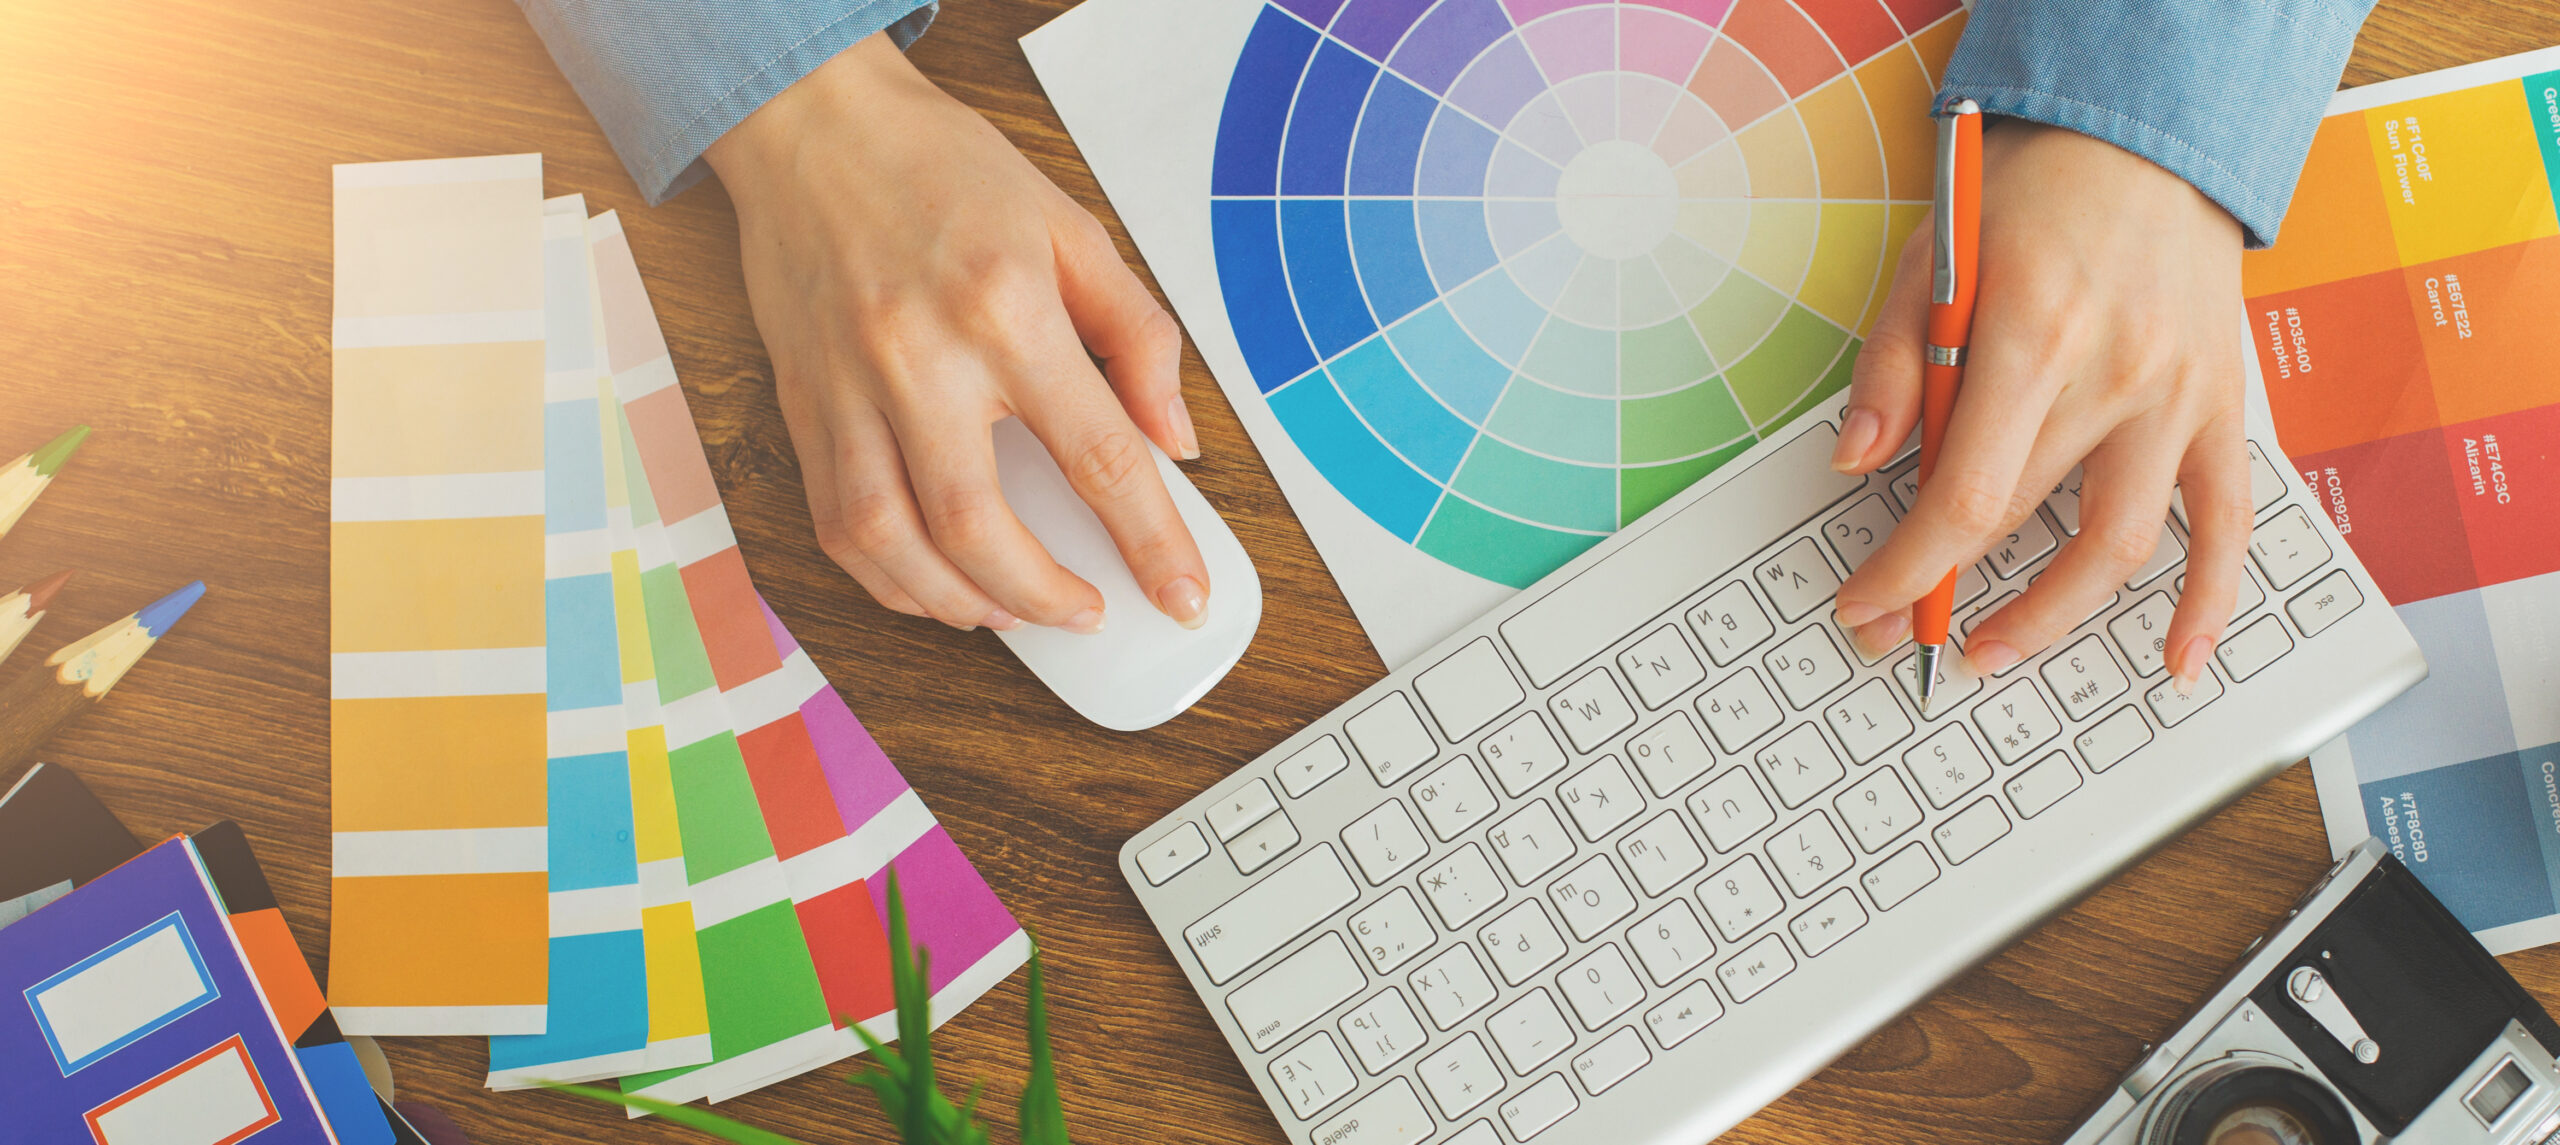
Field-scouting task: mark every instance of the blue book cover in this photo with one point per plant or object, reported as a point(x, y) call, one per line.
point(128, 1016)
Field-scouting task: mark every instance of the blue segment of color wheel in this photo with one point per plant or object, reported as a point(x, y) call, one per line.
point(1512, 272)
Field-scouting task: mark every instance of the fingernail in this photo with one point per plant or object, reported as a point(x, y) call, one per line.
point(1884, 634)
point(1990, 658)
point(1185, 601)
point(1180, 415)
point(2191, 666)
point(1855, 614)
point(1002, 621)
point(1857, 436)
point(1084, 623)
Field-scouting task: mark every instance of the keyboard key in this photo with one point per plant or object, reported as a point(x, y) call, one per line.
point(1241, 808)
point(1964, 834)
point(2084, 677)
point(1731, 809)
point(1391, 931)
point(2320, 606)
point(1530, 1031)
point(1296, 991)
point(2033, 540)
point(2064, 503)
point(1313, 1075)
point(1460, 1076)
point(2172, 709)
point(1799, 765)
point(2016, 721)
point(1591, 896)
point(1390, 738)
point(1739, 710)
point(1616, 1058)
point(2244, 653)
point(1956, 682)
point(1263, 842)
point(1798, 580)
point(1522, 754)
point(1807, 666)
point(1730, 623)
point(2110, 740)
point(1661, 667)
point(1451, 986)
point(1877, 809)
point(1248, 927)
point(2166, 555)
point(2287, 548)
point(1669, 754)
point(1462, 886)
point(1670, 941)
point(2043, 785)
point(1756, 968)
point(2264, 486)
point(1858, 530)
point(1868, 720)
point(1988, 609)
point(1173, 854)
point(1453, 797)
point(1531, 842)
point(1906, 487)
point(1480, 1133)
point(1740, 897)
point(1522, 942)
point(1600, 986)
point(1600, 798)
point(1899, 876)
point(1809, 853)
point(1382, 1031)
point(1971, 585)
point(1591, 709)
point(1690, 1010)
point(1661, 853)
point(1837, 916)
point(1541, 1106)
point(2142, 633)
point(2249, 596)
point(1390, 1115)
point(1947, 764)
point(1311, 765)
point(1467, 690)
point(1384, 841)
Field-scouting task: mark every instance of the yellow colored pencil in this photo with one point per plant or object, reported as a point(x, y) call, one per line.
point(23, 480)
point(20, 610)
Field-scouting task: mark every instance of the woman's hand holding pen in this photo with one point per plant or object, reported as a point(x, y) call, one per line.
point(2104, 336)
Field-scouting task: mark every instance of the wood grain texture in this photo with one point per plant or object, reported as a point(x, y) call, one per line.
point(164, 276)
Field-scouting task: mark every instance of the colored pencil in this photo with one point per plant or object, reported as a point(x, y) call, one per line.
point(33, 705)
point(20, 610)
point(23, 480)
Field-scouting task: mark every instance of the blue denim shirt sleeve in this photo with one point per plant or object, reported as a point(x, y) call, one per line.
point(2226, 94)
point(667, 77)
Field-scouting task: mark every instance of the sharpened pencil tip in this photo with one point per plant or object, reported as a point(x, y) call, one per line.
point(157, 616)
point(58, 450)
point(40, 594)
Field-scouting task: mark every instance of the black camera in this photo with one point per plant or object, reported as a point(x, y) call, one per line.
point(2369, 1015)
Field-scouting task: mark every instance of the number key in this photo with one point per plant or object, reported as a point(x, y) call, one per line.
point(1948, 765)
point(1878, 809)
point(2016, 721)
point(2084, 677)
point(1670, 941)
point(2143, 632)
point(1809, 853)
point(1740, 897)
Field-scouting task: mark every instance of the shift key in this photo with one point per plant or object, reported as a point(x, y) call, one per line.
point(1251, 925)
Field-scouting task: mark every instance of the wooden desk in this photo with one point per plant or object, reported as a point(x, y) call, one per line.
point(164, 276)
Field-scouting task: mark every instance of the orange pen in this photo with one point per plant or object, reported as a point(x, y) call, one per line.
point(1955, 240)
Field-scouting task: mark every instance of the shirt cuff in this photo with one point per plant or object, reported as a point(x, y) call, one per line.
point(2225, 95)
point(665, 78)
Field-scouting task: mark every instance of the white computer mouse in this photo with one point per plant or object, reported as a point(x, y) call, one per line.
point(1142, 668)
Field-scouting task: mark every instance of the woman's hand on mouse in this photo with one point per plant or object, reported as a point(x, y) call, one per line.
point(2104, 337)
point(916, 280)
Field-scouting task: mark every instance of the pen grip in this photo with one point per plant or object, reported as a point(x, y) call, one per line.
point(1938, 386)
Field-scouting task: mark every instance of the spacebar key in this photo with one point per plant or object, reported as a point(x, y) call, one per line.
point(1271, 912)
point(1654, 569)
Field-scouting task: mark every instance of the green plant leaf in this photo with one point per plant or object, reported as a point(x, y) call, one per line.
point(685, 1115)
point(1043, 1120)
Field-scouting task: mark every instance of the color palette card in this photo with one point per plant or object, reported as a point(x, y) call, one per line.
point(1486, 280)
point(135, 1019)
point(2403, 322)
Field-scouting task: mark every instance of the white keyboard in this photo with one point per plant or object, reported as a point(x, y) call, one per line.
point(1636, 853)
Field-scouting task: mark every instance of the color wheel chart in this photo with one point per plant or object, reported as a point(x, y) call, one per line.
point(1510, 273)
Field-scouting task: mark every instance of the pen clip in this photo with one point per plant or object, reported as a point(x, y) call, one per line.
point(1942, 237)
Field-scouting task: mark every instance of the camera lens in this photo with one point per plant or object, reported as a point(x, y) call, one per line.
point(2256, 1105)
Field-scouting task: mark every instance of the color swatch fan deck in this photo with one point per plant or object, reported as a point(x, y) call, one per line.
point(1509, 273)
